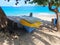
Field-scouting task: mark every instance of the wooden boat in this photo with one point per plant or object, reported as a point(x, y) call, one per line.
point(30, 23)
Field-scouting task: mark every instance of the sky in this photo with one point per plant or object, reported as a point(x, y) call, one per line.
point(11, 9)
point(12, 3)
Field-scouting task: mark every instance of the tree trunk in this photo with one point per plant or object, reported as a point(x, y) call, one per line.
point(3, 19)
point(57, 15)
point(58, 21)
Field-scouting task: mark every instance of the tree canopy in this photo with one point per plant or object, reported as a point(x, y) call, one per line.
point(46, 2)
point(50, 3)
point(17, 1)
point(40, 2)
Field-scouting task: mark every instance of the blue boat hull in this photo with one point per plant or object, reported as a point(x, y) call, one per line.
point(29, 29)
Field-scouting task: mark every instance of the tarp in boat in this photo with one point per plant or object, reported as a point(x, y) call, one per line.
point(30, 21)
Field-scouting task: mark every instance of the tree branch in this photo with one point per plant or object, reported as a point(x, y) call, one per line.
point(50, 8)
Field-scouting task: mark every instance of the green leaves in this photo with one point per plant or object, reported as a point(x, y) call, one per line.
point(46, 2)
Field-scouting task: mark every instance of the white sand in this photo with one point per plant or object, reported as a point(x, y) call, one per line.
point(47, 17)
point(42, 36)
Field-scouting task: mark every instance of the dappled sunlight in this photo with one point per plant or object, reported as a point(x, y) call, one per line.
point(47, 25)
point(45, 35)
point(38, 37)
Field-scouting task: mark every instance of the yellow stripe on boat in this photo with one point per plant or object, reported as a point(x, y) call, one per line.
point(26, 23)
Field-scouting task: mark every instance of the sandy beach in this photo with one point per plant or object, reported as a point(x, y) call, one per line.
point(45, 35)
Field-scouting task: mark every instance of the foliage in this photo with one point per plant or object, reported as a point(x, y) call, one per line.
point(46, 2)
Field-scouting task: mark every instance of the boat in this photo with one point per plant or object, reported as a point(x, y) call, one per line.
point(30, 23)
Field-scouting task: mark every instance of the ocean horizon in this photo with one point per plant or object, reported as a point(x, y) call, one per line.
point(25, 10)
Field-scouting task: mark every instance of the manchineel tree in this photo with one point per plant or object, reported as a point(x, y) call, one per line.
point(50, 4)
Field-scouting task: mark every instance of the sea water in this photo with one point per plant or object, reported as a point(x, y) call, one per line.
point(13, 11)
